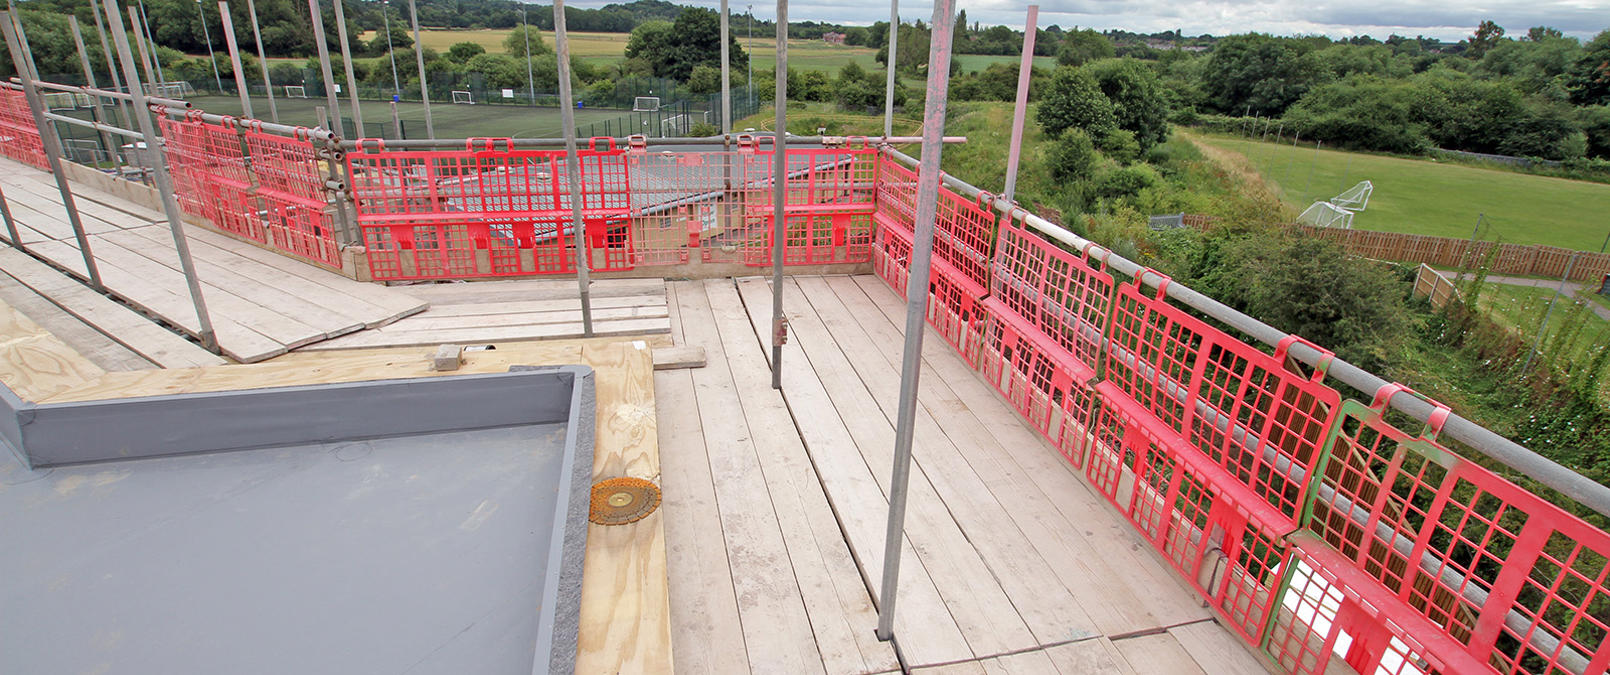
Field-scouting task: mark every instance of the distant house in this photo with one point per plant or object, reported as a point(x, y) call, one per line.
point(833, 38)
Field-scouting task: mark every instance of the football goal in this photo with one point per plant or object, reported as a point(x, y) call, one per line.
point(1326, 214)
point(295, 91)
point(646, 104)
point(172, 89)
point(464, 97)
point(675, 125)
point(1355, 198)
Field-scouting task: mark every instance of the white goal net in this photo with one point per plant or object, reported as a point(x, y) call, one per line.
point(1326, 214)
point(58, 101)
point(676, 125)
point(295, 91)
point(646, 104)
point(171, 89)
point(1356, 198)
point(464, 97)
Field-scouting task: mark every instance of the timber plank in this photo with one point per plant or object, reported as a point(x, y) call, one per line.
point(223, 279)
point(1027, 663)
point(982, 607)
point(453, 293)
point(400, 337)
point(840, 608)
point(1097, 656)
point(998, 519)
point(486, 309)
point(394, 303)
point(706, 633)
point(429, 320)
point(1217, 650)
point(1158, 653)
point(285, 331)
point(1128, 588)
point(340, 302)
point(675, 358)
point(625, 604)
point(776, 628)
point(928, 626)
point(72, 331)
point(125, 325)
point(34, 364)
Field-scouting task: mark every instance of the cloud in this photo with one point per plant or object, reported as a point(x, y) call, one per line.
point(1336, 18)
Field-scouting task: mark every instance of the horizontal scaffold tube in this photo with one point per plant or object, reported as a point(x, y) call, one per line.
point(461, 143)
point(94, 125)
point(106, 93)
point(1542, 469)
point(312, 133)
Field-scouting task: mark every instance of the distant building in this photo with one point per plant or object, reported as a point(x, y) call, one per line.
point(833, 38)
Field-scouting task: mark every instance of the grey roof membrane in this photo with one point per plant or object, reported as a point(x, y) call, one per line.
point(433, 552)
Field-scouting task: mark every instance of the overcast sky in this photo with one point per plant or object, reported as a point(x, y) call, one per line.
point(1447, 19)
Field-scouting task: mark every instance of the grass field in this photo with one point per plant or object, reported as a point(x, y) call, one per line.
point(803, 55)
point(1427, 197)
point(451, 121)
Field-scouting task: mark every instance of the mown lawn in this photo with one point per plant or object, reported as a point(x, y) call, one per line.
point(1427, 197)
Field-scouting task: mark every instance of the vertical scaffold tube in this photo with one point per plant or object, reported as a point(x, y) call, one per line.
point(1025, 70)
point(933, 131)
point(779, 192)
point(567, 119)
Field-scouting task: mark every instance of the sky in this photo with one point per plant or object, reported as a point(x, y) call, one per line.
point(1445, 19)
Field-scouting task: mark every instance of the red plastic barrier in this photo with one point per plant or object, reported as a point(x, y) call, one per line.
point(828, 197)
point(487, 210)
point(210, 178)
point(19, 138)
point(1515, 581)
point(290, 187)
point(955, 303)
point(1244, 409)
point(1057, 292)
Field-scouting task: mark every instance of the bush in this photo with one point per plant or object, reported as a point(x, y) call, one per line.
point(1121, 145)
point(462, 52)
point(703, 129)
point(1364, 113)
point(1126, 181)
point(1074, 101)
point(1072, 156)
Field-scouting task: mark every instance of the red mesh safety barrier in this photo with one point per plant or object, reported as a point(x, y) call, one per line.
point(897, 194)
point(1049, 388)
point(1515, 581)
point(210, 176)
point(19, 138)
point(488, 210)
point(955, 304)
point(828, 198)
point(1244, 409)
point(1057, 292)
point(291, 192)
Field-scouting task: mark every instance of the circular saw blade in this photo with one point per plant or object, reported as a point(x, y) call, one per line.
point(619, 501)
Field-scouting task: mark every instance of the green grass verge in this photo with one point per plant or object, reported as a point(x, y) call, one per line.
point(1427, 197)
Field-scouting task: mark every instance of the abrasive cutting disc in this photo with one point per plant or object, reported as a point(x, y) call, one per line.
point(618, 501)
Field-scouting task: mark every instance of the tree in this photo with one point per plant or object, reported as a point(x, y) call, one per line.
point(1363, 112)
point(1589, 80)
point(705, 79)
point(1072, 156)
point(1083, 46)
point(1486, 37)
point(672, 50)
point(1137, 99)
point(400, 39)
point(515, 44)
point(1073, 100)
point(1259, 72)
point(462, 52)
point(1541, 33)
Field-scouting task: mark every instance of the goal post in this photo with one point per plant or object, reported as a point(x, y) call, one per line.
point(675, 125)
point(463, 97)
point(295, 91)
point(1356, 198)
point(646, 104)
point(1326, 214)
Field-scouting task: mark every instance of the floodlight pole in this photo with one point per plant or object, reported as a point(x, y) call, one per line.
point(158, 164)
point(726, 77)
point(142, 43)
point(1025, 72)
point(530, 79)
point(151, 43)
point(567, 119)
point(117, 80)
point(201, 9)
point(889, 77)
point(779, 194)
point(749, 85)
point(391, 55)
point(419, 58)
point(933, 129)
point(346, 65)
point(17, 43)
point(331, 101)
point(262, 63)
point(234, 60)
point(89, 78)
